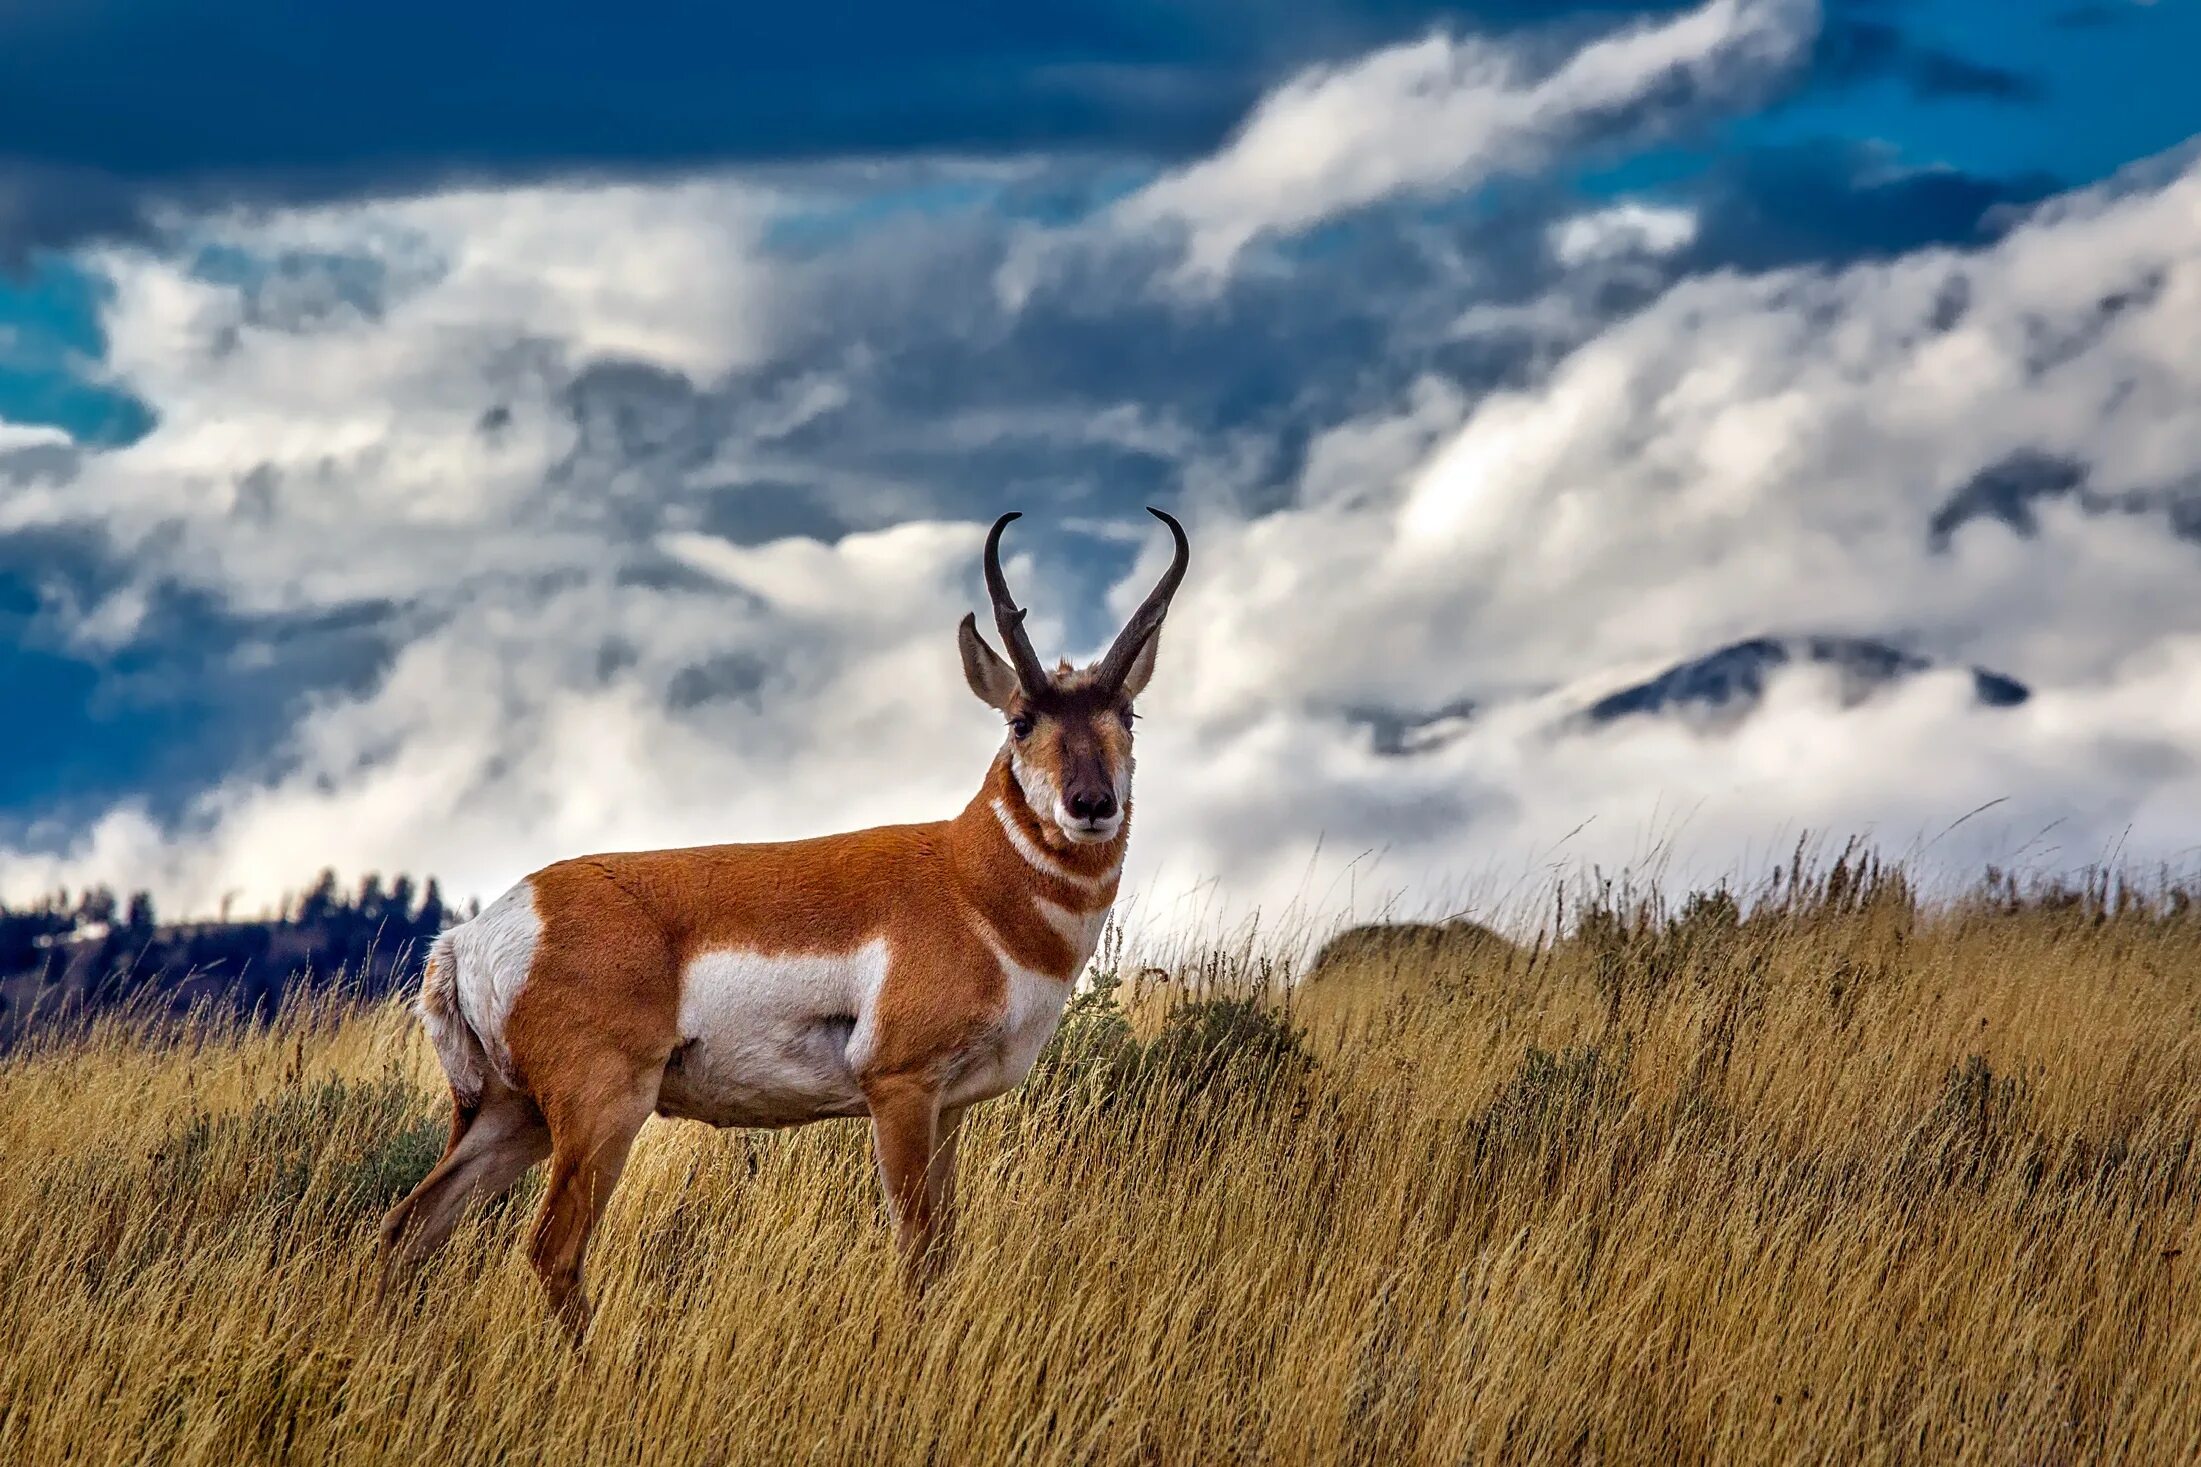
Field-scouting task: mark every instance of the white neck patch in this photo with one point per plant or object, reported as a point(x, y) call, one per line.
point(1039, 860)
point(1081, 930)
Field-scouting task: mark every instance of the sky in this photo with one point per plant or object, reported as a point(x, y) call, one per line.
point(1613, 436)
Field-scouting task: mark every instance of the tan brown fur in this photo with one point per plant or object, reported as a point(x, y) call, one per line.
point(618, 930)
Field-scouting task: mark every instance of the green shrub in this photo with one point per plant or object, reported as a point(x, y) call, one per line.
point(350, 1148)
point(1553, 1098)
point(1093, 1048)
point(1207, 1047)
point(1235, 1044)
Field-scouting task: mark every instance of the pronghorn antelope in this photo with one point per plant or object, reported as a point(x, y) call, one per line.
point(903, 973)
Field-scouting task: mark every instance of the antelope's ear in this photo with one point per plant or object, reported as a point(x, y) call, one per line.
point(1142, 666)
point(991, 678)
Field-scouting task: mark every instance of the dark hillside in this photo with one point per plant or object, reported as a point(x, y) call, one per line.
point(64, 959)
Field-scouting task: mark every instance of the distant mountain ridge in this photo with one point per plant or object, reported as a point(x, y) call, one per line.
point(1729, 681)
point(1737, 674)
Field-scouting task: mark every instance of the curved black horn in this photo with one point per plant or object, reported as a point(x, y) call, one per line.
point(1147, 620)
point(1008, 616)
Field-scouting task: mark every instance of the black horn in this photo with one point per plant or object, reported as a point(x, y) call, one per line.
point(1147, 620)
point(1008, 616)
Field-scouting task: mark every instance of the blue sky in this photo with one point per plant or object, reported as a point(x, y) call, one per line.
point(335, 344)
point(2098, 85)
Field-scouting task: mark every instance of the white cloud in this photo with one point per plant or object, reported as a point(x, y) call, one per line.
point(587, 666)
point(313, 449)
point(497, 738)
point(1751, 456)
point(1440, 115)
point(1620, 231)
point(30, 435)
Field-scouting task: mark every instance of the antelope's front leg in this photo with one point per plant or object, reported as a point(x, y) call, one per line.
point(906, 1132)
point(940, 1186)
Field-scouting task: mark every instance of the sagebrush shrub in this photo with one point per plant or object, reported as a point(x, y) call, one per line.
point(1553, 1098)
point(349, 1148)
point(1243, 1045)
point(1212, 1047)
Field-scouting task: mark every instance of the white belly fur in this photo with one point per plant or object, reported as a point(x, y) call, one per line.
point(778, 1040)
point(774, 1039)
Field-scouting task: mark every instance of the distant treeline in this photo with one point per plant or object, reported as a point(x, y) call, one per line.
point(67, 957)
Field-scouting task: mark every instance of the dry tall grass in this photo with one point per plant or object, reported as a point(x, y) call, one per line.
point(1849, 1179)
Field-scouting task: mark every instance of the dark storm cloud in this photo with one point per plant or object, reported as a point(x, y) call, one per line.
point(1851, 49)
point(106, 106)
point(1832, 202)
point(42, 206)
point(108, 110)
point(2009, 492)
point(909, 388)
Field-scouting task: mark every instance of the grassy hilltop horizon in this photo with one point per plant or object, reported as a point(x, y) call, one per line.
point(1833, 1172)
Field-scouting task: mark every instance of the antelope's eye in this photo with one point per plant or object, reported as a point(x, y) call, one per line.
point(1127, 715)
point(1021, 725)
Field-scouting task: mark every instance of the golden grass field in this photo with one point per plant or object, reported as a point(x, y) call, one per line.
point(1852, 1177)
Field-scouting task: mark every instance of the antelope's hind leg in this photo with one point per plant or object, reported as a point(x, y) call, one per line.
point(489, 1150)
point(591, 1132)
point(591, 1030)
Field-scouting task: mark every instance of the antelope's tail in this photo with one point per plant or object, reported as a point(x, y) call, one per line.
point(456, 1044)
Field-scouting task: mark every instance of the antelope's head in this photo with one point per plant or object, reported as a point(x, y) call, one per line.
point(1070, 729)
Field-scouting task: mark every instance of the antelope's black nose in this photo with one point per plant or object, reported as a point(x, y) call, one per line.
point(1092, 805)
